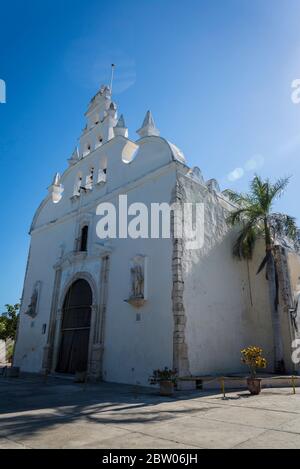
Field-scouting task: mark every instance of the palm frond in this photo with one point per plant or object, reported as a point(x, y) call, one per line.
point(232, 195)
point(235, 217)
point(264, 262)
point(252, 213)
point(283, 225)
point(257, 185)
point(278, 188)
point(260, 190)
point(245, 242)
point(239, 198)
point(290, 227)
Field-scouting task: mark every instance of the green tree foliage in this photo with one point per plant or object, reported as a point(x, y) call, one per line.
point(9, 322)
point(255, 219)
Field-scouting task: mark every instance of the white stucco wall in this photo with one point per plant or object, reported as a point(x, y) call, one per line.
point(132, 349)
point(44, 252)
point(290, 311)
point(220, 318)
point(226, 304)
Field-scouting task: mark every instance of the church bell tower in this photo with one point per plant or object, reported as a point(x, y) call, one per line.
point(101, 119)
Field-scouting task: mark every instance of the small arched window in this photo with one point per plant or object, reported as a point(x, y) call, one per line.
point(84, 238)
point(99, 141)
point(86, 149)
point(90, 179)
point(102, 170)
point(78, 184)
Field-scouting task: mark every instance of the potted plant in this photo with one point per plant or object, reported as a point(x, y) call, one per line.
point(166, 379)
point(252, 357)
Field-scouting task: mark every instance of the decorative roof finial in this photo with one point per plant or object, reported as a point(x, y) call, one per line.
point(112, 110)
point(56, 189)
point(74, 158)
point(56, 179)
point(120, 128)
point(148, 128)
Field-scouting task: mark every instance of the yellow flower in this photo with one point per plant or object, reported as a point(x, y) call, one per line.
point(252, 356)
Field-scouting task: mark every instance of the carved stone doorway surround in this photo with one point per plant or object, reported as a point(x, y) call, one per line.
point(98, 313)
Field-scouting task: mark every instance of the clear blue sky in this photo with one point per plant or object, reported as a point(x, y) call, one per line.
point(216, 74)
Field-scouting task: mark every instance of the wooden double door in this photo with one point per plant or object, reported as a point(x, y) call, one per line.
point(75, 328)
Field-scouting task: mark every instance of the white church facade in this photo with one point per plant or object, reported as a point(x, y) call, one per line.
point(120, 307)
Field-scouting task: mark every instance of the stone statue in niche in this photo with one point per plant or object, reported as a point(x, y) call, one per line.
point(32, 307)
point(137, 282)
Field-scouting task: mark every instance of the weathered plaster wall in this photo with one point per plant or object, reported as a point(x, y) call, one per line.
point(258, 308)
point(226, 305)
point(44, 252)
point(289, 276)
point(132, 348)
point(293, 261)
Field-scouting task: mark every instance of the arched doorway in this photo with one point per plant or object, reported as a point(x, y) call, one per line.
point(75, 328)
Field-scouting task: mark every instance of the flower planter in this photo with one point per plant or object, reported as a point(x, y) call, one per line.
point(166, 378)
point(254, 386)
point(166, 388)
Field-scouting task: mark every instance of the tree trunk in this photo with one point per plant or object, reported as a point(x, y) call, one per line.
point(277, 337)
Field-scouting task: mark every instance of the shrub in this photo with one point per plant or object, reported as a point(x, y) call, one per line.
point(9, 352)
point(163, 375)
point(252, 357)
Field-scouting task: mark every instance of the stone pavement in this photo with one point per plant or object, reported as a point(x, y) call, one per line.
point(61, 414)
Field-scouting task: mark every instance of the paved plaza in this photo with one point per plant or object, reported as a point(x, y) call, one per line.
point(61, 414)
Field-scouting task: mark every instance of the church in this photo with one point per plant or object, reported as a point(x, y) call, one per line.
point(119, 307)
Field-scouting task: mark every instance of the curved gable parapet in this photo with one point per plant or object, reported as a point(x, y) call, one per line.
point(175, 153)
point(37, 213)
point(125, 161)
point(105, 160)
point(153, 151)
point(129, 161)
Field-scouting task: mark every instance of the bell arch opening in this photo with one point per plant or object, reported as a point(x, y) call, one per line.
point(75, 328)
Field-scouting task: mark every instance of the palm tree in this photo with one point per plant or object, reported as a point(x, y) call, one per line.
point(253, 214)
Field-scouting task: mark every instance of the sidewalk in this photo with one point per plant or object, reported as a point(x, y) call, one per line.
point(61, 414)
